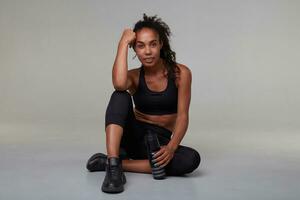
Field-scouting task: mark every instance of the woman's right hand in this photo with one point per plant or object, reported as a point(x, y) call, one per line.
point(128, 37)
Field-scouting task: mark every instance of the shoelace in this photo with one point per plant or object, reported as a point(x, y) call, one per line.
point(115, 172)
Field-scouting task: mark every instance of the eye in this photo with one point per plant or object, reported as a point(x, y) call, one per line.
point(140, 46)
point(153, 44)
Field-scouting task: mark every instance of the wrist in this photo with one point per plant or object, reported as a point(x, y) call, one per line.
point(172, 147)
point(123, 43)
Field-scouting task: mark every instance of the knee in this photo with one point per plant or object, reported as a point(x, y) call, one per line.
point(186, 160)
point(122, 92)
point(195, 160)
point(121, 96)
point(192, 161)
point(119, 108)
point(120, 99)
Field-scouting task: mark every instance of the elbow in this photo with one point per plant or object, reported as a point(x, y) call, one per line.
point(120, 87)
point(119, 83)
point(184, 118)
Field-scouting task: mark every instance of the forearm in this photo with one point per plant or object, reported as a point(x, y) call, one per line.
point(120, 68)
point(180, 129)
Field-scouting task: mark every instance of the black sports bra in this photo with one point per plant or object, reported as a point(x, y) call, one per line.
point(155, 103)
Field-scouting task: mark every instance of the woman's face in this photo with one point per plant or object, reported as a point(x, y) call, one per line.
point(147, 46)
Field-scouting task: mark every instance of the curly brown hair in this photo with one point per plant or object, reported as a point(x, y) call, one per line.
point(163, 30)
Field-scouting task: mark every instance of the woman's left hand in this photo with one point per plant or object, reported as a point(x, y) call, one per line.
point(163, 156)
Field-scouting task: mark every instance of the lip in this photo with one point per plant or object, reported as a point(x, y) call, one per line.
point(149, 59)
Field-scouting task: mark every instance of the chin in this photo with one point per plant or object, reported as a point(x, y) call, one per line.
point(150, 64)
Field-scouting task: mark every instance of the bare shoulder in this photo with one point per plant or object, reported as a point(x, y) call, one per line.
point(184, 69)
point(184, 75)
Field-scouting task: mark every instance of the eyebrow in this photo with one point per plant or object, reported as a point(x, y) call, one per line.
point(149, 42)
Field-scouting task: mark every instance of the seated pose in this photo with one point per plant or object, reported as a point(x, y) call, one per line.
point(161, 92)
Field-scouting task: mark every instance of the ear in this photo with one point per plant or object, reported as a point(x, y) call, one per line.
point(161, 44)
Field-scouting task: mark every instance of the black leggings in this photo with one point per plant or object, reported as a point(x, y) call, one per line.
point(120, 111)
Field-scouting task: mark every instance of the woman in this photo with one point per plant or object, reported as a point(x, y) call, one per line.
point(161, 90)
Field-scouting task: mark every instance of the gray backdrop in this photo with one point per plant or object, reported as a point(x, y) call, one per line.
point(56, 59)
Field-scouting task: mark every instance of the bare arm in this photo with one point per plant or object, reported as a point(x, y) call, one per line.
point(120, 69)
point(166, 153)
point(184, 98)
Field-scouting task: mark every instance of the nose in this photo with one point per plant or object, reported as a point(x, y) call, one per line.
point(148, 50)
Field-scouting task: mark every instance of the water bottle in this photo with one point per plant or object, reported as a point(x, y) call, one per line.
point(153, 146)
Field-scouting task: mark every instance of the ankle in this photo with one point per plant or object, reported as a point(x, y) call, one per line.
point(112, 156)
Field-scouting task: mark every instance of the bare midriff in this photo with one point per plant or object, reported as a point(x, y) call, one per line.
point(167, 121)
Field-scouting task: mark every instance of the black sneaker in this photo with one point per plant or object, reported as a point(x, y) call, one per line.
point(97, 162)
point(115, 178)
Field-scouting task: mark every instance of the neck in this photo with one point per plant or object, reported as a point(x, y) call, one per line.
point(155, 69)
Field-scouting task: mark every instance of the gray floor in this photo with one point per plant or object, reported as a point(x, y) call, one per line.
point(48, 162)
